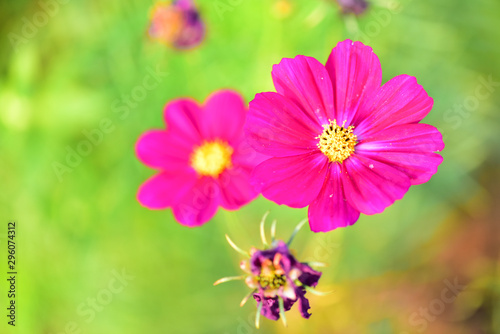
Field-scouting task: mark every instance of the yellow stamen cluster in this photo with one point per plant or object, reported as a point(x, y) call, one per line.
point(272, 281)
point(212, 158)
point(337, 142)
point(272, 276)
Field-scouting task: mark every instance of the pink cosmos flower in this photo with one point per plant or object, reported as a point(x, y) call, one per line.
point(203, 159)
point(338, 140)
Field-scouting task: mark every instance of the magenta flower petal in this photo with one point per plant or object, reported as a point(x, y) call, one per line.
point(331, 209)
point(217, 122)
point(235, 188)
point(156, 193)
point(305, 81)
point(356, 74)
point(199, 204)
point(161, 150)
point(269, 126)
point(303, 303)
point(183, 117)
point(401, 100)
point(270, 306)
point(408, 147)
point(203, 158)
point(308, 276)
point(246, 156)
point(371, 186)
point(301, 175)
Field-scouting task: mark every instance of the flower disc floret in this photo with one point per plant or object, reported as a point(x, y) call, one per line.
point(212, 158)
point(337, 142)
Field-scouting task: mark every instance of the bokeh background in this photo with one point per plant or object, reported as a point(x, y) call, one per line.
point(80, 230)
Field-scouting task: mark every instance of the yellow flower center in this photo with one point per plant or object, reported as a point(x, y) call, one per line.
point(211, 158)
point(271, 281)
point(272, 276)
point(337, 142)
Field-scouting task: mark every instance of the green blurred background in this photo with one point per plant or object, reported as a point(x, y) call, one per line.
point(80, 230)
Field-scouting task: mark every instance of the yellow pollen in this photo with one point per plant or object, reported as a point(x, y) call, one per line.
point(271, 282)
point(211, 158)
point(337, 142)
point(271, 274)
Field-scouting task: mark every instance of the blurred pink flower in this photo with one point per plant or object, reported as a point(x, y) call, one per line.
point(338, 141)
point(203, 159)
point(356, 7)
point(177, 24)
